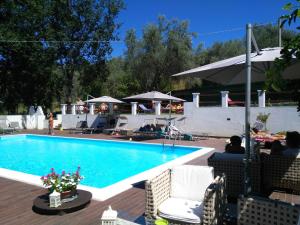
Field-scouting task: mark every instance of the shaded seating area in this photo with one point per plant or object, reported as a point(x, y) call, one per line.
point(270, 175)
point(186, 195)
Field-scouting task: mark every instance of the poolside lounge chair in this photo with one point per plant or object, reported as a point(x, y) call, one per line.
point(15, 126)
point(145, 109)
point(235, 103)
point(186, 194)
point(81, 127)
point(5, 128)
point(173, 132)
point(120, 124)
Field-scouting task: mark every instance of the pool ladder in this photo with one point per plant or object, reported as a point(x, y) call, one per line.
point(176, 137)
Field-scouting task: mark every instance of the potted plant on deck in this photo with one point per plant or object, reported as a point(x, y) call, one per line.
point(64, 183)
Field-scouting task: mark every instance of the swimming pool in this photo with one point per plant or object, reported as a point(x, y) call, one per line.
point(103, 163)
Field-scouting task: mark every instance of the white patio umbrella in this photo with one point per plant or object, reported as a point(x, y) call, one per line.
point(232, 70)
point(155, 95)
point(104, 99)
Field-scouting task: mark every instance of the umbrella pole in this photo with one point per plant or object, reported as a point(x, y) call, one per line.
point(170, 109)
point(247, 187)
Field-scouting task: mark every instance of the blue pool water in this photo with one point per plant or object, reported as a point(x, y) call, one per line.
point(102, 162)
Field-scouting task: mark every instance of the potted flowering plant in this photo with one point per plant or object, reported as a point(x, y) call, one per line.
point(65, 183)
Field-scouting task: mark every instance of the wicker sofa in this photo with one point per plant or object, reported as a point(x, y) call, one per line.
point(281, 172)
point(158, 190)
point(255, 210)
point(232, 165)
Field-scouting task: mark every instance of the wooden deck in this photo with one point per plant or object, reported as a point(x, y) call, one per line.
point(16, 198)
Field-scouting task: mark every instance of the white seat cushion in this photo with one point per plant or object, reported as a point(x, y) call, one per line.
point(190, 182)
point(182, 210)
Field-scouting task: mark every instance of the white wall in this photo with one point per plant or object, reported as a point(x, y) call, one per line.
point(218, 121)
point(25, 121)
point(69, 121)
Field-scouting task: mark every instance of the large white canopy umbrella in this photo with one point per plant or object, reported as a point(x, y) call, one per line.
point(104, 99)
point(232, 70)
point(155, 95)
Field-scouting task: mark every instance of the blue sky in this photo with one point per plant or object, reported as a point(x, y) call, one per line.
point(205, 17)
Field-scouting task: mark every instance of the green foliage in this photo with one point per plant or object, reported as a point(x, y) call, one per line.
point(164, 49)
point(219, 51)
point(54, 49)
point(290, 52)
point(263, 117)
point(68, 43)
point(267, 36)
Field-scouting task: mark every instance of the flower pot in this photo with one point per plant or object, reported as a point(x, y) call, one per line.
point(68, 194)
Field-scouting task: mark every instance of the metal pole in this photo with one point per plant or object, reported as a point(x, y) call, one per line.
point(279, 32)
point(247, 110)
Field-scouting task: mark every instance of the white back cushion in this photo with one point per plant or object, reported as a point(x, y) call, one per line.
point(190, 182)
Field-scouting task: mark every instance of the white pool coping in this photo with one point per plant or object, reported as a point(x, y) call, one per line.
point(102, 194)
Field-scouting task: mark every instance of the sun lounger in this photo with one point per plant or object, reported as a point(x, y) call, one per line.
point(235, 103)
point(121, 123)
point(145, 109)
point(4, 127)
point(81, 127)
point(15, 126)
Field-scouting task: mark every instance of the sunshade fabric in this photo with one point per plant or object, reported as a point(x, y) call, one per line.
point(232, 70)
point(155, 95)
point(106, 99)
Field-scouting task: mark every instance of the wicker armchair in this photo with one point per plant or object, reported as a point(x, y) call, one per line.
point(281, 172)
point(263, 211)
point(233, 168)
point(159, 188)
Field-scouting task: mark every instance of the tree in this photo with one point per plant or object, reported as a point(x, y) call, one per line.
point(24, 66)
point(164, 49)
point(267, 36)
point(54, 49)
point(290, 52)
point(85, 29)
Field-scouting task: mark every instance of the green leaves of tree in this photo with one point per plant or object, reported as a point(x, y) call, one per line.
point(54, 50)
